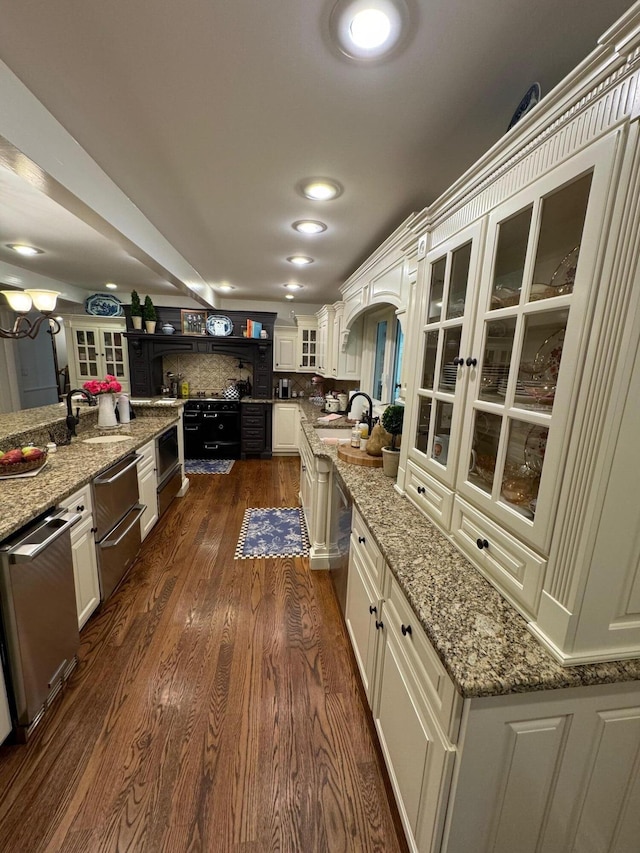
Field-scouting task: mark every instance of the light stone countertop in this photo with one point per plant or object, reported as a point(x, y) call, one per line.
point(480, 638)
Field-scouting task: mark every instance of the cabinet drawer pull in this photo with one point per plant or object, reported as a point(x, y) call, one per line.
point(379, 625)
point(471, 362)
point(459, 362)
point(482, 543)
point(94, 529)
point(80, 508)
point(361, 540)
point(421, 490)
point(372, 609)
point(406, 629)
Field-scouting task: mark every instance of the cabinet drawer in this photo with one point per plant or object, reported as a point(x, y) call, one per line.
point(362, 541)
point(252, 420)
point(516, 570)
point(147, 454)
point(79, 501)
point(253, 445)
point(443, 699)
point(430, 496)
point(250, 433)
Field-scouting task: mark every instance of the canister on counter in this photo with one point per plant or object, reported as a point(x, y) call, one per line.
point(184, 389)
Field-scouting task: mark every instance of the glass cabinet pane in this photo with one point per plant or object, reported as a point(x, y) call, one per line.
point(497, 359)
point(484, 453)
point(429, 363)
point(440, 446)
point(436, 290)
point(422, 430)
point(563, 215)
point(460, 261)
point(513, 236)
point(526, 447)
point(540, 360)
point(451, 350)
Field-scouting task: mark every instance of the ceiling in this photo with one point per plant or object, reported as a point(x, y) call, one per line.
point(207, 114)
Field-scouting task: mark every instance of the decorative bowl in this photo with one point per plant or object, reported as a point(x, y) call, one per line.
point(24, 466)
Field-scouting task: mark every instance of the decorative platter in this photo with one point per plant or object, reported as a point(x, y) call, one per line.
point(218, 325)
point(103, 305)
point(565, 273)
point(529, 101)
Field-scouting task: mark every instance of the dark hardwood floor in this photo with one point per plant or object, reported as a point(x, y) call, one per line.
point(214, 708)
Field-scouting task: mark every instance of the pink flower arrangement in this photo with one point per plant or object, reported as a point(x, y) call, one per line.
point(108, 385)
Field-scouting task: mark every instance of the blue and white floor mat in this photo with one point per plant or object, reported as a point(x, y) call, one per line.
point(208, 466)
point(274, 532)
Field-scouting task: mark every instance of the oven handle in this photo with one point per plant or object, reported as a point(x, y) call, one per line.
point(112, 543)
point(26, 553)
point(101, 481)
point(189, 428)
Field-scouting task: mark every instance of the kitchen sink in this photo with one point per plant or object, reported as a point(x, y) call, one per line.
point(333, 436)
point(106, 439)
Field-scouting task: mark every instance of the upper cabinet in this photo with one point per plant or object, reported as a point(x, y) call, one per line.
point(96, 348)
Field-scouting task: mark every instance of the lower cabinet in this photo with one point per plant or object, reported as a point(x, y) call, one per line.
point(554, 770)
point(5, 716)
point(255, 428)
point(147, 488)
point(316, 480)
point(285, 428)
point(83, 551)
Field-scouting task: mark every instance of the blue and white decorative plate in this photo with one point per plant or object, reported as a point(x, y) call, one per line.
point(103, 305)
point(219, 325)
point(529, 101)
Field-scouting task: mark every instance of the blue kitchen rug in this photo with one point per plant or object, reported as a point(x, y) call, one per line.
point(208, 466)
point(274, 532)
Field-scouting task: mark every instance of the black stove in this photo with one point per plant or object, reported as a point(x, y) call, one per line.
point(211, 428)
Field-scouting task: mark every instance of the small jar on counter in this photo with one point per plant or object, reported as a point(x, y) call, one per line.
point(356, 434)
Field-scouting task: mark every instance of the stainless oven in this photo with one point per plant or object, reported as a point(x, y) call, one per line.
point(117, 516)
point(169, 468)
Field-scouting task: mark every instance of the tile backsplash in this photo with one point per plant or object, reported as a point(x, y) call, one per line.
point(208, 373)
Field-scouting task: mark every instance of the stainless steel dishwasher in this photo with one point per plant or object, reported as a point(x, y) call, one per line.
point(117, 516)
point(168, 467)
point(39, 617)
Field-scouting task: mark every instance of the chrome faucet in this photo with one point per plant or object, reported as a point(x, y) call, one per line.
point(369, 417)
point(73, 420)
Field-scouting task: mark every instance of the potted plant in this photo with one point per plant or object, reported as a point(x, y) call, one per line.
point(392, 419)
point(136, 310)
point(149, 314)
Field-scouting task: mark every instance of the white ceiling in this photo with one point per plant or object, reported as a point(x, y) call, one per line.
point(207, 114)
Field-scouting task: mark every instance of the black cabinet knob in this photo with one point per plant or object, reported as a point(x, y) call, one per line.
point(361, 540)
point(80, 508)
point(406, 629)
point(471, 362)
point(94, 529)
point(458, 362)
point(379, 625)
point(482, 543)
point(421, 490)
point(372, 609)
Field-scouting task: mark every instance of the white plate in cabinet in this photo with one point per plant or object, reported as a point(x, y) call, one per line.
point(362, 541)
point(430, 496)
point(444, 700)
point(517, 571)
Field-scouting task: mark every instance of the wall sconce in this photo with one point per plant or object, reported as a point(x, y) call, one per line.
point(21, 301)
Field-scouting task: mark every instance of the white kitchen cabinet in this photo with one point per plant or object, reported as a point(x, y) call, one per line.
point(326, 355)
point(285, 428)
point(147, 488)
point(346, 347)
point(5, 716)
point(316, 480)
point(307, 343)
point(83, 551)
point(285, 349)
point(96, 347)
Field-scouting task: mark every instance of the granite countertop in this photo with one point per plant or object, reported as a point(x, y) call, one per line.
point(482, 641)
point(70, 467)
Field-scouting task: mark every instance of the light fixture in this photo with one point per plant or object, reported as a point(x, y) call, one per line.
point(368, 29)
point(111, 286)
point(320, 189)
point(23, 249)
point(309, 226)
point(21, 301)
point(225, 288)
point(289, 296)
point(293, 286)
point(300, 260)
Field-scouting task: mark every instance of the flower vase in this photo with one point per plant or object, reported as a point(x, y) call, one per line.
point(107, 411)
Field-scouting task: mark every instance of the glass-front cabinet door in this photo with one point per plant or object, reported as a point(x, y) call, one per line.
point(113, 347)
point(525, 350)
point(451, 273)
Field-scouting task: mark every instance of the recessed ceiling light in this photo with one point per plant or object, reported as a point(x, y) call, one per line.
point(293, 286)
point(23, 249)
point(225, 288)
point(111, 286)
point(320, 189)
point(309, 226)
point(289, 296)
point(300, 260)
point(368, 29)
